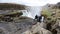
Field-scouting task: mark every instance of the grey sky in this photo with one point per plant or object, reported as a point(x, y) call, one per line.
point(31, 2)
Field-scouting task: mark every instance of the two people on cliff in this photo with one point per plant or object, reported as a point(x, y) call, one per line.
point(39, 18)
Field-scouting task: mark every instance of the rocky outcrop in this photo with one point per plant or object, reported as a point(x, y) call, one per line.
point(17, 27)
point(36, 29)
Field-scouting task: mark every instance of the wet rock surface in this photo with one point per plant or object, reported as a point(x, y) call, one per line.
point(25, 25)
point(13, 27)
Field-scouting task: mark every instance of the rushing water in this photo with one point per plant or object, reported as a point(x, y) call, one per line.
point(31, 11)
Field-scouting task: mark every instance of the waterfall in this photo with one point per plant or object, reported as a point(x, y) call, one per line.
point(33, 10)
point(26, 13)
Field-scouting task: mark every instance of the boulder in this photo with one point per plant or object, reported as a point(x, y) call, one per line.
point(36, 29)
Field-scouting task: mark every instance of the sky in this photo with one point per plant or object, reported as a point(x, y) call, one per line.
point(31, 2)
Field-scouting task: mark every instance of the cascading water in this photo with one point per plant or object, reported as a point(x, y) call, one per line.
point(32, 11)
point(27, 13)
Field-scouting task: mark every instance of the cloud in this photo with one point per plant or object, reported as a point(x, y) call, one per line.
point(31, 2)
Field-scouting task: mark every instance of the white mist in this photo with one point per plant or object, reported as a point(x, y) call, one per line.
point(32, 11)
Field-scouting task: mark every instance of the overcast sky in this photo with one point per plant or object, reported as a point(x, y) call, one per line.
point(31, 2)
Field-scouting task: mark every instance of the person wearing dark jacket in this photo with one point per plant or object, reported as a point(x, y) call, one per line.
point(39, 18)
point(36, 17)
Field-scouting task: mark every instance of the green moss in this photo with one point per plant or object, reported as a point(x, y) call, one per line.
point(46, 12)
